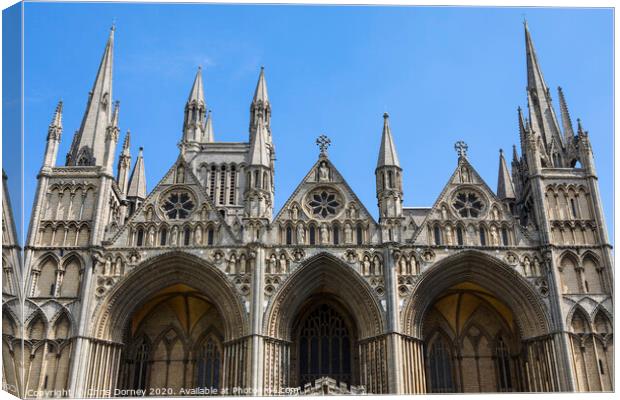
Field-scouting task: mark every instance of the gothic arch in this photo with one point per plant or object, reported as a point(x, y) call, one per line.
point(532, 318)
point(577, 312)
point(37, 326)
point(57, 318)
point(113, 314)
point(603, 313)
point(330, 275)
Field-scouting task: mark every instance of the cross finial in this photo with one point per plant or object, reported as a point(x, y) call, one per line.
point(323, 142)
point(461, 148)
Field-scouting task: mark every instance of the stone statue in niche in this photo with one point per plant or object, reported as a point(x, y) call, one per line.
point(198, 235)
point(536, 267)
point(118, 266)
point(283, 263)
point(232, 264)
point(180, 174)
point(448, 231)
point(366, 265)
point(294, 212)
point(464, 175)
point(526, 266)
point(173, 236)
point(494, 236)
point(272, 264)
point(348, 233)
point(353, 211)
point(324, 234)
point(301, 234)
point(107, 268)
point(323, 172)
point(151, 241)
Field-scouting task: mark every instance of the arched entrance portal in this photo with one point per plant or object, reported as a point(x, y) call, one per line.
point(483, 328)
point(471, 344)
point(324, 336)
point(174, 321)
point(325, 321)
point(174, 341)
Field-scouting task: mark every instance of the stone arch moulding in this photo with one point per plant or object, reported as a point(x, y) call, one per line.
point(112, 315)
point(328, 274)
point(532, 317)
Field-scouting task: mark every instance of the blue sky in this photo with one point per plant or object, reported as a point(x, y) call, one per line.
point(443, 74)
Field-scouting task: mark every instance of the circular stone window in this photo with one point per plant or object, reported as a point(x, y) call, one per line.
point(324, 203)
point(468, 204)
point(178, 204)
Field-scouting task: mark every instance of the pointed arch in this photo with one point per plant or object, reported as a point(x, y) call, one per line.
point(579, 321)
point(326, 274)
point(37, 326)
point(113, 314)
point(601, 322)
point(531, 315)
point(72, 266)
point(570, 277)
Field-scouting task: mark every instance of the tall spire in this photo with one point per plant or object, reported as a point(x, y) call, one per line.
point(195, 111)
point(505, 189)
point(567, 125)
point(535, 78)
point(55, 128)
point(208, 135)
point(542, 115)
point(124, 164)
point(259, 153)
point(57, 118)
point(260, 109)
point(54, 131)
point(515, 155)
point(197, 93)
point(137, 182)
point(387, 152)
point(90, 143)
point(260, 93)
point(126, 143)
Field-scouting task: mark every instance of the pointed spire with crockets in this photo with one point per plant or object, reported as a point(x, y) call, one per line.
point(259, 153)
point(260, 109)
point(542, 116)
point(567, 125)
point(137, 182)
point(89, 146)
point(208, 135)
point(195, 111)
point(515, 155)
point(389, 186)
point(54, 131)
point(124, 164)
point(55, 128)
point(505, 188)
point(387, 152)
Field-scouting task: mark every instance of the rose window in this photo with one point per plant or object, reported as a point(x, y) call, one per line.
point(178, 205)
point(323, 203)
point(468, 204)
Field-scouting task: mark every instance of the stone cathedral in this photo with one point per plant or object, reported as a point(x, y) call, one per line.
point(198, 286)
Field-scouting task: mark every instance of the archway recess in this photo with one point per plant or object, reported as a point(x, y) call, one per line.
point(332, 294)
point(158, 273)
point(470, 342)
point(484, 328)
point(197, 314)
point(531, 316)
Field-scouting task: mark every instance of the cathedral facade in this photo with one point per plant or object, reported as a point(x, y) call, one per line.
point(198, 287)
